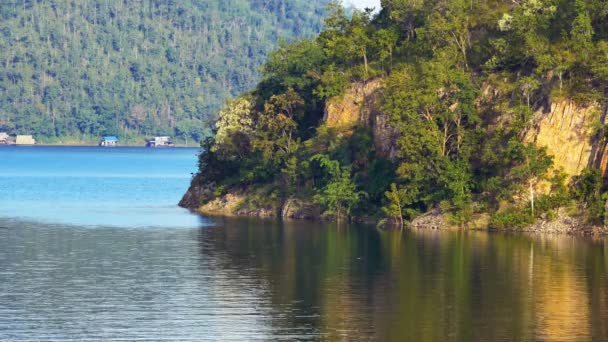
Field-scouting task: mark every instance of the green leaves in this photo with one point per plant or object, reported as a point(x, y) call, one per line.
point(235, 128)
point(461, 83)
point(80, 68)
point(340, 194)
point(398, 204)
point(599, 65)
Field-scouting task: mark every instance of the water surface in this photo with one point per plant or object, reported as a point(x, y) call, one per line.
point(92, 247)
point(94, 186)
point(251, 279)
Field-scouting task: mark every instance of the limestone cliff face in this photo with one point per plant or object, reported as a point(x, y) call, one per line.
point(570, 133)
point(360, 104)
point(568, 130)
point(357, 105)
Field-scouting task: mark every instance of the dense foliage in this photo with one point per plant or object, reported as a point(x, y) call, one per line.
point(77, 69)
point(459, 149)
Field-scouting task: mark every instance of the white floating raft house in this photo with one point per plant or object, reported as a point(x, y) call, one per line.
point(163, 141)
point(25, 140)
point(3, 138)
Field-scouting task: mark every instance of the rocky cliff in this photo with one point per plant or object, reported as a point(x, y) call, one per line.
point(572, 134)
point(202, 198)
point(360, 104)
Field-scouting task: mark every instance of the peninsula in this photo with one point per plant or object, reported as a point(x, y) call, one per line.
point(464, 114)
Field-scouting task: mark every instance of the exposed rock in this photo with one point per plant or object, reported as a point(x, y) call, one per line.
point(564, 223)
point(237, 203)
point(434, 219)
point(568, 130)
point(196, 195)
point(385, 137)
point(201, 198)
point(257, 212)
point(361, 105)
point(225, 205)
point(357, 105)
point(569, 133)
point(233, 204)
point(437, 219)
point(294, 208)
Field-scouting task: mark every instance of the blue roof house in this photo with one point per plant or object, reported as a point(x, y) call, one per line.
point(109, 141)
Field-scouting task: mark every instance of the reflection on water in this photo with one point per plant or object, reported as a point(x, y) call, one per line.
point(252, 279)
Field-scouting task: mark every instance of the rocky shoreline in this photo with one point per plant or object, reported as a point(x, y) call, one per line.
point(234, 204)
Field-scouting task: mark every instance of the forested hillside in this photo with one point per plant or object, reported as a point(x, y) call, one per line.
point(71, 70)
point(459, 107)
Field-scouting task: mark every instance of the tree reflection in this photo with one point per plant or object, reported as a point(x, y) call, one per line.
point(356, 282)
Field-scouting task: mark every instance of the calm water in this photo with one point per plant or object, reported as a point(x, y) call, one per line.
point(65, 276)
point(96, 186)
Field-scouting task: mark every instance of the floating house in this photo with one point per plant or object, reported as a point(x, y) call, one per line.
point(3, 138)
point(160, 142)
point(25, 140)
point(109, 141)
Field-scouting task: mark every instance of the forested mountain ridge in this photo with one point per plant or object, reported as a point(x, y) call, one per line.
point(74, 70)
point(466, 108)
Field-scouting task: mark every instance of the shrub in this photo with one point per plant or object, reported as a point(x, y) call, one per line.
point(512, 218)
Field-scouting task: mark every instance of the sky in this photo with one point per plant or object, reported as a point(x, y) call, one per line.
point(364, 3)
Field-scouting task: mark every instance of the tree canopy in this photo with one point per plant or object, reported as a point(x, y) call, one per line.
point(461, 82)
point(79, 69)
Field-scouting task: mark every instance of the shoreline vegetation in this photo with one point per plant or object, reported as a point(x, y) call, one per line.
point(238, 205)
point(480, 115)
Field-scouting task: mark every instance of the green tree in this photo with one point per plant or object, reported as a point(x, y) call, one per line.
point(235, 128)
point(532, 166)
point(589, 190)
point(398, 201)
point(91, 67)
point(340, 194)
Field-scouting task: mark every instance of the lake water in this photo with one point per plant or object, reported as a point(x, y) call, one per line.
point(96, 186)
point(99, 269)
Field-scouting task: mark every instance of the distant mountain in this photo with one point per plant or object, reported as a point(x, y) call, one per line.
point(72, 70)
